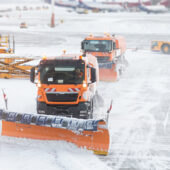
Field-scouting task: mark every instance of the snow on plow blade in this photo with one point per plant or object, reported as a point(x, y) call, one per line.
point(107, 72)
point(90, 134)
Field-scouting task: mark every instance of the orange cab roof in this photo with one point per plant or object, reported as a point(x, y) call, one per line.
point(65, 57)
point(104, 37)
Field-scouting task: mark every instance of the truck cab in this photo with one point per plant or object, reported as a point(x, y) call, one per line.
point(67, 85)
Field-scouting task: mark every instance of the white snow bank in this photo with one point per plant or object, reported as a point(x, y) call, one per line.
point(34, 154)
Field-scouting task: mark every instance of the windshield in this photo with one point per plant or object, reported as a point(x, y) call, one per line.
point(62, 72)
point(98, 45)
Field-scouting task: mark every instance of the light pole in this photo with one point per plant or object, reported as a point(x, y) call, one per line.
point(52, 14)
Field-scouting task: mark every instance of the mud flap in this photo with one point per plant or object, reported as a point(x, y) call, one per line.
point(90, 134)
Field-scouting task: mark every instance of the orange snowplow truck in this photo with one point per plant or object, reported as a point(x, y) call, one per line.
point(109, 51)
point(67, 85)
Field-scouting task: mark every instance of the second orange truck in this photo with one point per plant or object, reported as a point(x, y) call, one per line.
point(110, 53)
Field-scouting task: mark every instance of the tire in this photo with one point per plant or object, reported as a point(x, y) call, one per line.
point(41, 108)
point(165, 48)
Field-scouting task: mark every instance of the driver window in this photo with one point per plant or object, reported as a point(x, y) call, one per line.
point(114, 45)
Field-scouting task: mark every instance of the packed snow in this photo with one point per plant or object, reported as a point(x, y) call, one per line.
point(139, 121)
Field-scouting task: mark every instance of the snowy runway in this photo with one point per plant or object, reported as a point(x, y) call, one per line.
point(139, 121)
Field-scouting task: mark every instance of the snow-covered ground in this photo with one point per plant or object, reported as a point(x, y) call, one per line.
point(139, 121)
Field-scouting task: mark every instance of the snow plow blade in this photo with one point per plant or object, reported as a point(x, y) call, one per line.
point(90, 134)
point(107, 72)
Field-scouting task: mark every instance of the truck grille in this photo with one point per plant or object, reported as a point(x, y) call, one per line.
point(66, 97)
point(102, 59)
point(106, 65)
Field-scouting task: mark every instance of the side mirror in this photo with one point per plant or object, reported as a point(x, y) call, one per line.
point(82, 45)
point(93, 75)
point(114, 45)
point(32, 74)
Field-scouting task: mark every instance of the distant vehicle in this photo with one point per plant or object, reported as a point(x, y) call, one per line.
point(96, 6)
point(166, 3)
point(5, 9)
point(81, 10)
point(161, 46)
point(25, 8)
point(45, 7)
point(31, 8)
point(38, 8)
point(23, 25)
point(129, 4)
point(110, 53)
point(5, 44)
point(18, 8)
point(64, 3)
point(153, 8)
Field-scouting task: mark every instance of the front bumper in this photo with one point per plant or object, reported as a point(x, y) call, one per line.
point(80, 110)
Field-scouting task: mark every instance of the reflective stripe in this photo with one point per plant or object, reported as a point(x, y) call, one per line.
point(71, 90)
point(0, 127)
point(46, 89)
point(77, 89)
point(52, 90)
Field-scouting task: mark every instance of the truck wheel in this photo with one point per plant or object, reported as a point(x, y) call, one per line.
point(165, 48)
point(120, 71)
point(41, 108)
